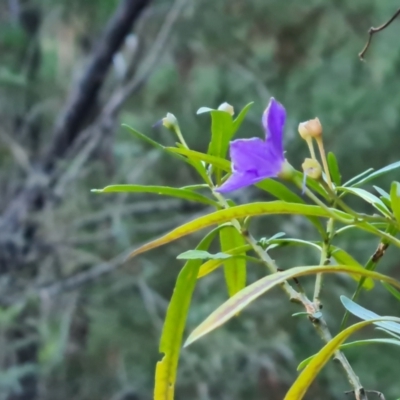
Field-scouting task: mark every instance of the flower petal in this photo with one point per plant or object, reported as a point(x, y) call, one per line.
point(273, 120)
point(252, 161)
point(239, 180)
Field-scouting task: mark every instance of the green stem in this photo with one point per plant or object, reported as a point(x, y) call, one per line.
point(313, 312)
point(325, 259)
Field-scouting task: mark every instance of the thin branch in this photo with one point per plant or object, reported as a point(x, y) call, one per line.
point(373, 30)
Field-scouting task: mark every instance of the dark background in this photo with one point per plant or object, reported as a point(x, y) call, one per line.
point(74, 322)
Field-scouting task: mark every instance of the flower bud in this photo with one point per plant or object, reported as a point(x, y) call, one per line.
point(170, 121)
point(311, 128)
point(312, 168)
point(227, 108)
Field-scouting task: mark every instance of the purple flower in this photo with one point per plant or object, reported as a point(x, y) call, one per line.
point(256, 159)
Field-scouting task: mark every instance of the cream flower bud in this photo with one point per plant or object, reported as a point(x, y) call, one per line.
point(312, 168)
point(227, 108)
point(170, 121)
point(311, 128)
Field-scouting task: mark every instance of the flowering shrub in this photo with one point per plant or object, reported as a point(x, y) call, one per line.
point(262, 162)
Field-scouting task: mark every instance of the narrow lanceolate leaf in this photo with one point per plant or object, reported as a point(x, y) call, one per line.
point(202, 255)
point(246, 296)
point(393, 342)
point(242, 211)
point(239, 119)
point(366, 314)
point(171, 338)
point(368, 197)
point(334, 169)
point(194, 163)
point(395, 200)
point(212, 265)
point(161, 190)
point(307, 376)
point(392, 290)
point(378, 173)
point(234, 268)
point(221, 133)
point(219, 162)
point(358, 177)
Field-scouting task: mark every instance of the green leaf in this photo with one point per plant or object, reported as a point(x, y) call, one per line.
point(161, 190)
point(391, 290)
point(395, 199)
point(389, 333)
point(334, 169)
point(218, 162)
point(195, 164)
point(174, 325)
point(378, 173)
point(342, 257)
point(221, 133)
point(239, 119)
point(234, 268)
point(365, 314)
point(382, 192)
point(242, 211)
point(307, 376)
point(357, 177)
point(143, 137)
point(246, 296)
point(369, 198)
point(356, 343)
point(211, 265)
point(202, 255)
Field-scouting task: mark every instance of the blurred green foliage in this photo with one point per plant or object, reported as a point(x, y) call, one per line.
point(101, 342)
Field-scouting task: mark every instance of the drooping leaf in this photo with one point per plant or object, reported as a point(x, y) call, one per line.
point(309, 373)
point(161, 190)
point(246, 296)
point(356, 343)
point(202, 255)
point(395, 199)
point(234, 268)
point(366, 314)
point(174, 325)
point(242, 211)
point(334, 169)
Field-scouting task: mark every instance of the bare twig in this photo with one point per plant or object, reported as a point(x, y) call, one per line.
point(373, 30)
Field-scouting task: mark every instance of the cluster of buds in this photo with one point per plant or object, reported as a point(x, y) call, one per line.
point(309, 131)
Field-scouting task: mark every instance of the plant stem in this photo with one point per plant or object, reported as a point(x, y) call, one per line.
point(325, 259)
point(313, 310)
point(314, 314)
